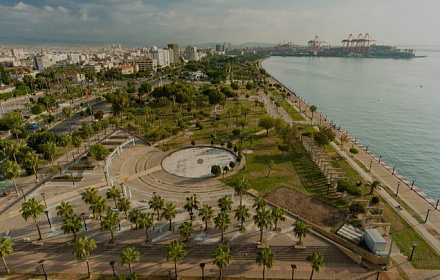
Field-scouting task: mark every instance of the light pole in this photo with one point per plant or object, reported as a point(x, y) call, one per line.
point(105, 174)
point(293, 266)
point(22, 191)
point(371, 162)
point(112, 264)
point(42, 267)
point(378, 272)
point(412, 252)
point(83, 215)
point(42, 179)
point(202, 266)
point(398, 186)
point(44, 199)
point(73, 157)
point(48, 220)
point(328, 186)
point(427, 214)
point(399, 208)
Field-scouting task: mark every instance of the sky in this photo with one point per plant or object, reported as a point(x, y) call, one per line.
point(159, 22)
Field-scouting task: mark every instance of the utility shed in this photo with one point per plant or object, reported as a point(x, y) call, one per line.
point(375, 242)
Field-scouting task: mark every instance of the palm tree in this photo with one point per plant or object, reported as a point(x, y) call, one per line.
point(206, 213)
point(133, 216)
point(129, 255)
point(157, 203)
point(82, 248)
point(98, 206)
point(114, 193)
point(301, 230)
point(109, 222)
point(222, 222)
point(259, 203)
point(12, 148)
point(5, 250)
point(225, 204)
point(263, 219)
point(265, 258)
point(313, 109)
point(374, 185)
point(68, 112)
point(49, 150)
point(186, 229)
point(191, 204)
point(124, 205)
point(241, 213)
point(145, 221)
point(278, 214)
point(89, 195)
point(32, 208)
point(64, 140)
point(175, 252)
point(11, 170)
point(77, 141)
point(64, 209)
point(316, 261)
point(241, 188)
point(31, 161)
point(169, 213)
point(71, 224)
point(221, 257)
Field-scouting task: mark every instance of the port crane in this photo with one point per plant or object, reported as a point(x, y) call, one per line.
point(356, 45)
point(315, 45)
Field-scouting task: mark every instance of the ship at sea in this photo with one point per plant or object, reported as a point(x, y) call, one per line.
point(360, 47)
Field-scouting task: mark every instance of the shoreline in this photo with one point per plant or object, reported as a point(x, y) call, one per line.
point(378, 160)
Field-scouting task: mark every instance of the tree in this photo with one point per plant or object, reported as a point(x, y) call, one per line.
point(278, 214)
point(77, 141)
point(89, 195)
point(31, 209)
point(241, 213)
point(313, 109)
point(145, 221)
point(144, 89)
point(98, 206)
point(316, 261)
point(270, 166)
point(114, 193)
point(221, 257)
point(5, 250)
point(12, 148)
point(31, 161)
point(206, 213)
point(11, 170)
point(157, 203)
point(191, 204)
point(263, 219)
point(266, 122)
point(224, 204)
point(82, 248)
point(222, 222)
point(353, 151)
point(128, 256)
point(356, 208)
point(49, 150)
point(216, 170)
point(124, 205)
point(241, 188)
point(68, 112)
point(110, 221)
point(324, 136)
point(265, 258)
point(169, 213)
point(64, 140)
point(374, 185)
point(301, 230)
point(133, 216)
point(65, 209)
point(98, 151)
point(259, 203)
point(186, 229)
point(71, 224)
point(175, 252)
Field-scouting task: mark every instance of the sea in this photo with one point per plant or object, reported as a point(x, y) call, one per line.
point(390, 105)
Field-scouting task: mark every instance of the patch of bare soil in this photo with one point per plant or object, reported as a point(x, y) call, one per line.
point(309, 208)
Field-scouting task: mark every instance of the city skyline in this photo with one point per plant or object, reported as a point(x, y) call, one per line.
point(132, 22)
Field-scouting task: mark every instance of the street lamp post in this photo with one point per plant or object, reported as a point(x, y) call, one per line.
point(83, 215)
point(427, 214)
point(202, 266)
point(399, 208)
point(328, 186)
point(44, 199)
point(378, 272)
point(24, 196)
point(293, 270)
point(73, 157)
point(412, 252)
point(73, 180)
point(371, 162)
point(48, 220)
point(42, 267)
point(42, 179)
point(112, 264)
point(398, 186)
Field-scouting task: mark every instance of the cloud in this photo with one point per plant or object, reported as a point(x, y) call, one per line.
point(21, 6)
point(62, 9)
point(48, 8)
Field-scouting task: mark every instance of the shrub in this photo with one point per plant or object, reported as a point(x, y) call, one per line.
point(354, 151)
point(239, 158)
point(346, 186)
point(375, 200)
point(229, 144)
point(193, 142)
point(98, 152)
point(232, 164)
point(356, 208)
point(216, 170)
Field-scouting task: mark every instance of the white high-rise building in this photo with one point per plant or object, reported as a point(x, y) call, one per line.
point(191, 53)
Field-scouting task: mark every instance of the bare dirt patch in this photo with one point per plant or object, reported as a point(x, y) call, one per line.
point(309, 208)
